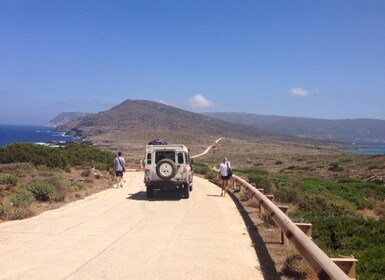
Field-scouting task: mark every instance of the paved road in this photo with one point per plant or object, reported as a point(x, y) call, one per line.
point(119, 234)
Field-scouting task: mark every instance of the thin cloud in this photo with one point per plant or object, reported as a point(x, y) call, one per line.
point(199, 101)
point(299, 92)
point(164, 102)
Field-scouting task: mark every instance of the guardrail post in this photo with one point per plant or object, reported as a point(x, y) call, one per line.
point(323, 266)
point(306, 228)
point(269, 196)
point(347, 265)
point(284, 209)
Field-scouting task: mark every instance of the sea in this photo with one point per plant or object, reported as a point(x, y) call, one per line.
point(366, 147)
point(41, 135)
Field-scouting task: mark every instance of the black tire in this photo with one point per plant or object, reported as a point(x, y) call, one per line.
point(149, 192)
point(166, 168)
point(191, 188)
point(186, 191)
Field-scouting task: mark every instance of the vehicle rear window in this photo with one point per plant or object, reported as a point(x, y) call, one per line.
point(164, 154)
point(148, 158)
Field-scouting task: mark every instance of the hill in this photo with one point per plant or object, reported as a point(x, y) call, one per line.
point(63, 118)
point(142, 115)
point(364, 129)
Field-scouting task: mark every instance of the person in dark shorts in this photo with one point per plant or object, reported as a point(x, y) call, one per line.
point(224, 174)
point(119, 167)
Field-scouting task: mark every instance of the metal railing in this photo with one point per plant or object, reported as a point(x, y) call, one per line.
point(323, 266)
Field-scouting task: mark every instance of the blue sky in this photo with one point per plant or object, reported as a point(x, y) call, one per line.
point(319, 59)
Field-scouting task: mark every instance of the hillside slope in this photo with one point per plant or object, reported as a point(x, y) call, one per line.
point(366, 129)
point(142, 115)
point(65, 117)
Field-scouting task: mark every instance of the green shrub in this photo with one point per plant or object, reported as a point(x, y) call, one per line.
point(78, 184)
point(71, 155)
point(261, 182)
point(349, 235)
point(199, 169)
point(361, 194)
point(3, 212)
point(210, 175)
point(325, 203)
point(22, 198)
point(102, 166)
point(7, 181)
point(286, 194)
point(42, 191)
point(17, 169)
point(61, 184)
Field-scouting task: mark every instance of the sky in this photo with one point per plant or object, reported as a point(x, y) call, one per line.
point(318, 59)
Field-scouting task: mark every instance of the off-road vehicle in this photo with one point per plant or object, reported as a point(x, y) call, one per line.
point(168, 167)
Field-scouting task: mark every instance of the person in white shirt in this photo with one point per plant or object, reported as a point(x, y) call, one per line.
point(119, 167)
point(224, 169)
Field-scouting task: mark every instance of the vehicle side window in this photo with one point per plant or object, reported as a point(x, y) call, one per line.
point(188, 161)
point(180, 158)
point(149, 158)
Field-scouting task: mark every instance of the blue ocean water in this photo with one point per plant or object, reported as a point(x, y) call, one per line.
point(366, 147)
point(31, 134)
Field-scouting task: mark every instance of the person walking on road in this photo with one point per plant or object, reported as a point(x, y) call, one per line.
point(119, 167)
point(225, 173)
point(140, 165)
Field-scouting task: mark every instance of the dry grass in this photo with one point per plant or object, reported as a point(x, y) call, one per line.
point(298, 158)
point(70, 186)
point(133, 143)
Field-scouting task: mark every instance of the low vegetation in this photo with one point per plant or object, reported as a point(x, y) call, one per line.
point(346, 216)
point(343, 198)
point(347, 213)
point(63, 157)
point(35, 178)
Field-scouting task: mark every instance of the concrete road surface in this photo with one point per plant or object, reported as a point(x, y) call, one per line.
point(120, 234)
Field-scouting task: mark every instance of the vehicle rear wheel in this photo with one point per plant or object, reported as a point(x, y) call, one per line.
point(149, 192)
point(186, 191)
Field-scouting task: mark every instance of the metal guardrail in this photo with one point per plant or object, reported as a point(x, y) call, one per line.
point(323, 266)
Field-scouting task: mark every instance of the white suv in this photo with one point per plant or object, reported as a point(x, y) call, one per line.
point(168, 167)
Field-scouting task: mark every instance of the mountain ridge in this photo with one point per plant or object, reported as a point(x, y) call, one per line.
point(144, 115)
point(338, 129)
point(65, 117)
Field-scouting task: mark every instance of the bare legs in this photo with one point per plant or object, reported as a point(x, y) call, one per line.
point(225, 182)
point(119, 180)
